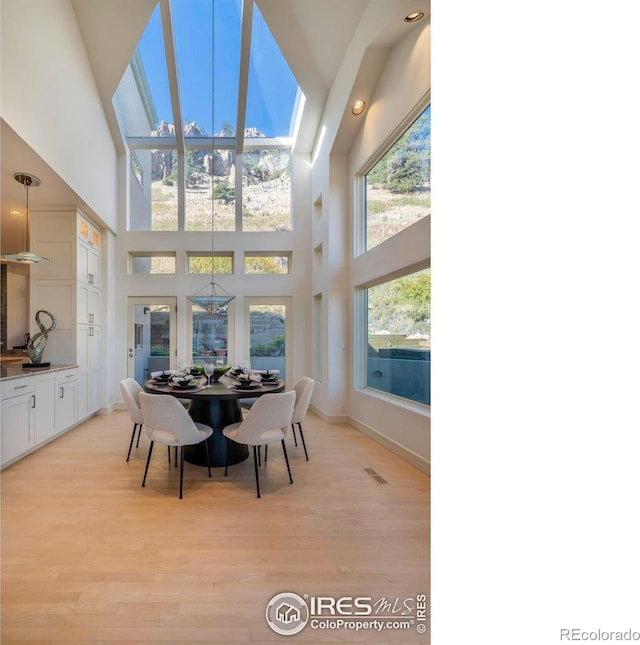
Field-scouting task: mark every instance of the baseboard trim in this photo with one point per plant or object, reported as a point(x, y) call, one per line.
point(422, 464)
point(330, 418)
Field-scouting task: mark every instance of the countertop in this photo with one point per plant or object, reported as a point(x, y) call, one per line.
point(13, 370)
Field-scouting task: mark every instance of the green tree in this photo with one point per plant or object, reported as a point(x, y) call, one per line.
point(412, 295)
point(406, 167)
point(224, 192)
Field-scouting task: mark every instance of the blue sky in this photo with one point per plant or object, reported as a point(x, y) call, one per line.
point(272, 87)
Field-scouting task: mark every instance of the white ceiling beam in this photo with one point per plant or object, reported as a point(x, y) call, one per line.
point(172, 71)
point(243, 81)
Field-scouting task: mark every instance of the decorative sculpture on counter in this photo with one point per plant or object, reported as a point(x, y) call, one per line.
point(36, 345)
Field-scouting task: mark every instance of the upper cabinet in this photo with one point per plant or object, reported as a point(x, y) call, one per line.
point(88, 253)
point(88, 233)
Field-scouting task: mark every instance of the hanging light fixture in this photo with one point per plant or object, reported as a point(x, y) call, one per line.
point(212, 297)
point(25, 257)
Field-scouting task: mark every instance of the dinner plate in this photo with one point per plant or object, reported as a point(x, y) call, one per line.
point(162, 379)
point(190, 386)
point(246, 386)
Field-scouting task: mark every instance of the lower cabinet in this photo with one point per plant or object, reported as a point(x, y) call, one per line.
point(36, 408)
point(18, 425)
point(66, 399)
point(45, 406)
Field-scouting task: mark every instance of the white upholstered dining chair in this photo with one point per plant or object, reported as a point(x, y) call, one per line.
point(130, 393)
point(303, 389)
point(266, 422)
point(167, 422)
point(131, 389)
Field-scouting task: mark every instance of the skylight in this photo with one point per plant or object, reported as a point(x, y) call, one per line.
point(206, 54)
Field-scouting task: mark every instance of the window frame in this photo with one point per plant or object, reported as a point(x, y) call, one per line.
point(361, 320)
point(359, 190)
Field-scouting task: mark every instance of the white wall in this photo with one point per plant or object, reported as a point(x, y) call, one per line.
point(50, 99)
point(401, 94)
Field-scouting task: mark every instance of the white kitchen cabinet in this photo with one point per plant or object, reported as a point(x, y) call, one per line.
point(88, 233)
point(18, 417)
point(76, 302)
point(37, 408)
point(89, 300)
point(89, 364)
point(66, 396)
point(88, 264)
point(45, 406)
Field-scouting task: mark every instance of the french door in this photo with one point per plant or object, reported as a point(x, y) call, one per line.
point(267, 330)
point(151, 335)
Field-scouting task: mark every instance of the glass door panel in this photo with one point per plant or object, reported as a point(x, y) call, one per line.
point(151, 336)
point(266, 334)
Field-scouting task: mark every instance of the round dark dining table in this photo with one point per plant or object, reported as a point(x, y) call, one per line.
point(217, 405)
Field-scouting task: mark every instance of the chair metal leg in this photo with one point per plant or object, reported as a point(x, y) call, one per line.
point(293, 427)
point(169, 453)
point(259, 455)
point(133, 434)
point(255, 467)
point(175, 456)
point(181, 467)
point(146, 468)
point(284, 448)
point(139, 433)
point(266, 447)
point(226, 461)
point(206, 447)
point(304, 445)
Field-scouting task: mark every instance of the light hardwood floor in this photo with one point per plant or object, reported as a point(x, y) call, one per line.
point(89, 556)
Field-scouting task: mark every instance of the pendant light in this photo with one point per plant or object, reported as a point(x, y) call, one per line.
point(214, 297)
point(25, 256)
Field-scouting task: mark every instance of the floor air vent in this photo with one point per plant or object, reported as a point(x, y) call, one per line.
point(375, 475)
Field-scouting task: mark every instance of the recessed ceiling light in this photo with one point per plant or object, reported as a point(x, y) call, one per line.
point(414, 17)
point(358, 107)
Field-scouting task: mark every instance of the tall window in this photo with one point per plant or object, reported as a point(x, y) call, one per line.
point(210, 175)
point(398, 187)
point(267, 327)
point(164, 191)
point(398, 336)
point(266, 190)
point(210, 335)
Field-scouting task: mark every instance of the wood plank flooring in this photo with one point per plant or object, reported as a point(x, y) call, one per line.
point(89, 556)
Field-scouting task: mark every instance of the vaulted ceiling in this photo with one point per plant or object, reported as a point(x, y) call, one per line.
point(313, 35)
